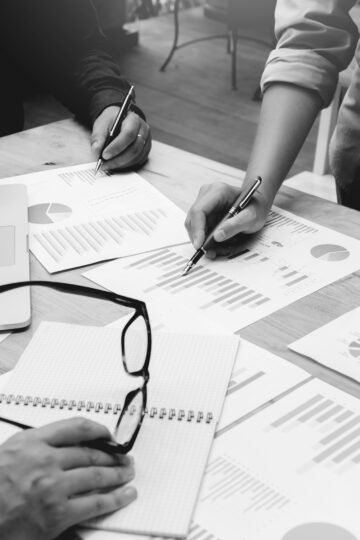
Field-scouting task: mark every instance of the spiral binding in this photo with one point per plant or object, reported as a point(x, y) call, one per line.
point(106, 408)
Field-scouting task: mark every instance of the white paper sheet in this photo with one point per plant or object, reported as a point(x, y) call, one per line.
point(276, 475)
point(336, 344)
point(76, 218)
point(288, 260)
point(3, 337)
point(290, 472)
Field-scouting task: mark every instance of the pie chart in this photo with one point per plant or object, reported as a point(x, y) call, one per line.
point(318, 531)
point(45, 213)
point(354, 348)
point(330, 252)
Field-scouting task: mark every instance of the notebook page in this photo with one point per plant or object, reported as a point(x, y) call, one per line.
point(188, 373)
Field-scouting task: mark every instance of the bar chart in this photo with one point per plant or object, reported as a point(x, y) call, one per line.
point(293, 460)
point(95, 236)
point(334, 427)
point(87, 176)
point(272, 270)
point(225, 479)
point(77, 218)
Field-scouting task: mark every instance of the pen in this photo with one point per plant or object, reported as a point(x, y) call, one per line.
point(115, 129)
point(240, 203)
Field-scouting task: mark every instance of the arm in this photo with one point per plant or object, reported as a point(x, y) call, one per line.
point(83, 75)
point(299, 79)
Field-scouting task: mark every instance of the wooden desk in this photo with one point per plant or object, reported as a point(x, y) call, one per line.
point(179, 175)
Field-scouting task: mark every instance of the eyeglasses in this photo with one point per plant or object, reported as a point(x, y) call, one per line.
point(135, 353)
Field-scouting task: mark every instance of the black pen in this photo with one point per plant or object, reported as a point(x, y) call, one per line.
point(116, 127)
point(240, 203)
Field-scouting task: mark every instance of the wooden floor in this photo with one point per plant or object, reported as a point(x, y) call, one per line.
point(192, 105)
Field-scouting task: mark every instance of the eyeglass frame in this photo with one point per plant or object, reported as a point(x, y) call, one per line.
point(140, 310)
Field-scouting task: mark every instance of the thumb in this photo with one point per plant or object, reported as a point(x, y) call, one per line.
point(101, 128)
point(242, 223)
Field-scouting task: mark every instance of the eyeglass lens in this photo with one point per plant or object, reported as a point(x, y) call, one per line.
point(136, 345)
point(130, 420)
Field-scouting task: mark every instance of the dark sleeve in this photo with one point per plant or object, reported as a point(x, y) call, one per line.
point(79, 70)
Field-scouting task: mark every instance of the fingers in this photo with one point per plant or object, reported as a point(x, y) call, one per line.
point(130, 148)
point(195, 224)
point(71, 432)
point(211, 204)
point(75, 457)
point(101, 128)
point(90, 479)
point(83, 508)
point(129, 131)
point(244, 222)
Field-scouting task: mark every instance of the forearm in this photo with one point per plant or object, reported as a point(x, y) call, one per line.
point(286, 117)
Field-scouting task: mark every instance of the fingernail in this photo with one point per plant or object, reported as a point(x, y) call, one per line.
point(129, 474)
point(106, 155)
point(211, 255)
point(219, 236)
point(129, 493)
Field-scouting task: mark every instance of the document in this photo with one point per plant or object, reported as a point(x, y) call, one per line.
point(69, 370)
point(291, 472)
point(289, 259)
point(335, 345)
point(77, 218)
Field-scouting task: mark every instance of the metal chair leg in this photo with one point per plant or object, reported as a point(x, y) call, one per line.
point(234, 38)
point(176, 36)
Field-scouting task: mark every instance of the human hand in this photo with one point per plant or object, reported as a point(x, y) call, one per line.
point(49, 483)
point(212, 203)
point(130, 148)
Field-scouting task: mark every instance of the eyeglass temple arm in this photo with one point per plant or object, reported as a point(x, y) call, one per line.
point(77, 289)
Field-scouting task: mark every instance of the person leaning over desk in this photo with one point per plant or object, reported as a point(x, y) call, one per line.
point(58, 46)
point(316, 40)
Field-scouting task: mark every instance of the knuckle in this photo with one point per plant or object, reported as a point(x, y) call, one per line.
point(131, 130)
point(220, 186)
point(97, 477)
point(204, 188)
point(45, 487)
point(84, 426)
point(92, 457)
point(100, 506)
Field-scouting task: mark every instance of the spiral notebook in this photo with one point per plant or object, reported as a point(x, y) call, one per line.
point(70, 370)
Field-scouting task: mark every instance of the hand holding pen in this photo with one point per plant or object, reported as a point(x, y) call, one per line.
point(221, 212)
point(121, 138)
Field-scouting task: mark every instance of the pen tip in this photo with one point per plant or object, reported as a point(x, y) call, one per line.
point(186, 270)
point(98, 165)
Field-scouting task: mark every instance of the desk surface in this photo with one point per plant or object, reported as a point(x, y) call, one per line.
point(179, 175)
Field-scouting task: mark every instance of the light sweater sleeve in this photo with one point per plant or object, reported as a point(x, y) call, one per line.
point(316, 39)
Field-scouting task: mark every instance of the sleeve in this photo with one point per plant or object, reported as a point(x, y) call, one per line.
point(316, 39)
point(81, 72)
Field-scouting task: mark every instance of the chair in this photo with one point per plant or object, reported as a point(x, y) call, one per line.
point(245, 19)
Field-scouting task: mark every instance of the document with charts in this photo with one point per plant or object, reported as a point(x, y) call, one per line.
point(336, 344)
point(77, 218)
point(289, 259)
point(70, 370)
point(290, 472)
